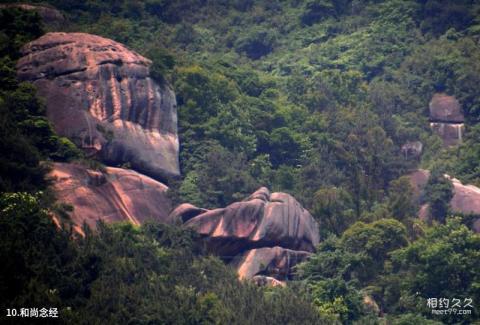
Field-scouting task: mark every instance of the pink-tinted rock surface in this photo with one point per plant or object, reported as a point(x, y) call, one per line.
point(185, 212)
point(267, 281)
point(466, 198)
point(112, 195)
point(99, 94)
point(276, 261)
point(446, 118)
point(450, 133)
point(266, 234)
point(445, 108)
point(263, 219)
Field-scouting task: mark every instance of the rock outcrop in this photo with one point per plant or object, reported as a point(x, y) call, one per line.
point(267, 233)
point(100, 95)
point(445, 108)
point(447, 119)
point(113, 194)
point(262, 220)
point(466, 198)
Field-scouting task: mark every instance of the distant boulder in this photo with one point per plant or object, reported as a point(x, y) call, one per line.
point(99, 94)
point(446, 118)
point(263, 219)
point(267, 233)
point(450, 133)
point(185, 212)
point(466, 198)
point(445, 108)
point(113, 194)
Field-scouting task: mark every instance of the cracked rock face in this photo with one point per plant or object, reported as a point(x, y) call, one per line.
point(99, 94)
point(267, 233)
point(466, 198)
point(445, 108)
point(114, 194)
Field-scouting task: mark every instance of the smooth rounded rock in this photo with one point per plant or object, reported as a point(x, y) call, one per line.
point(445, 108)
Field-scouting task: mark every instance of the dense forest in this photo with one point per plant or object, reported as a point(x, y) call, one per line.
point(311, 97)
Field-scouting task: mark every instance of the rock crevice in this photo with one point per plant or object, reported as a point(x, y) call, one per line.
point(113, 194)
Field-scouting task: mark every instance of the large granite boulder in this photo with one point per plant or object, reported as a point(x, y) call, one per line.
point(266, 234)
point(263, 220)
point(113, 194)
point(445, 108)
point(450, 133)
point(466, 198)
point(185, 212)
point(446, 118)
point(99, 94)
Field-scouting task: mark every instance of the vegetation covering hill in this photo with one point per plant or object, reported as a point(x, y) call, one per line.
point(311, 97)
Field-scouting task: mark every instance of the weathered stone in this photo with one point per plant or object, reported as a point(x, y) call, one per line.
point(274, 261)
point(466, 198)
point(263, 237)
point(445, 108)
point(261, 220)
point(111, 195)
point(100, 95)
point(446, 117)
point(450, 133)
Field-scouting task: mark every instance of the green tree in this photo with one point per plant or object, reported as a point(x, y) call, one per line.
point(438, 194)
point(443, 263)
point(400, 200)
point(333, 208)
point(34, 253)
point(257, 43)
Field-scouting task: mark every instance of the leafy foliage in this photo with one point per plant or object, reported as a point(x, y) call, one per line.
point(312, 97)
point(438, 192)
point(124, 274)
